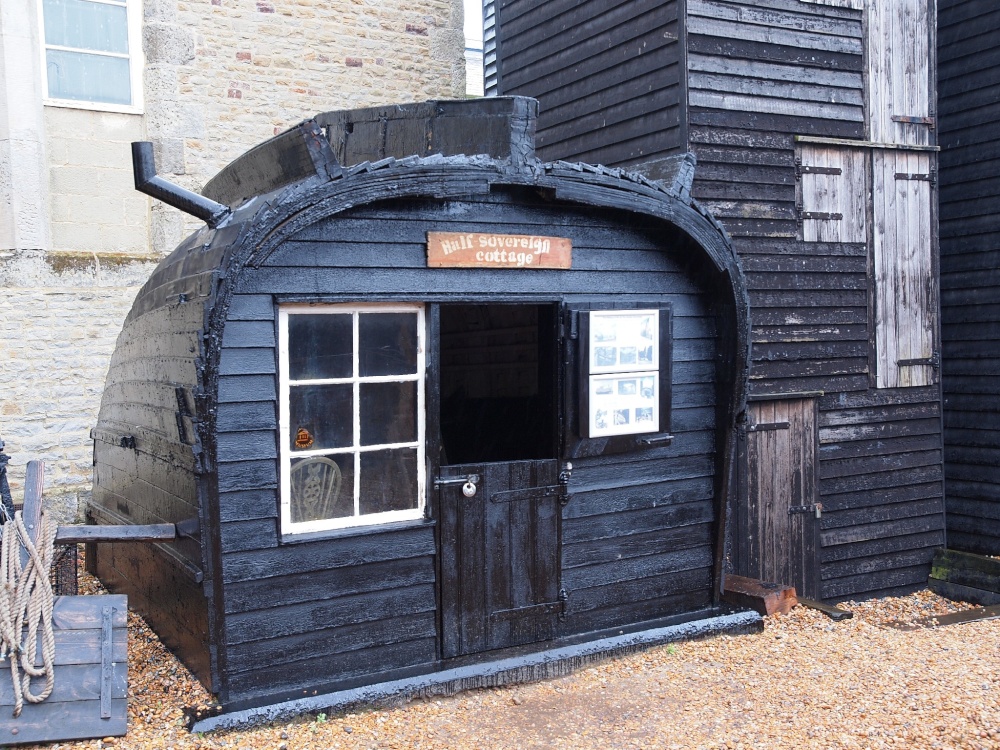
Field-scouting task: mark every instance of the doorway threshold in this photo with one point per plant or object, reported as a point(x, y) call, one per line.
point(540, 661)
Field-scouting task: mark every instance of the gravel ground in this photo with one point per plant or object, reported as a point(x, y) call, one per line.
point(805, 682)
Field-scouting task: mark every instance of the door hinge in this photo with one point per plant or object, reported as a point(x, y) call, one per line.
point(912, 120)
point(815, 508)
point(564, 601)
point(801, 169)
point(932, 361)
point(768, 426)
point(821, 216)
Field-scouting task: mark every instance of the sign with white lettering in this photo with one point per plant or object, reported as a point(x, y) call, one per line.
point(486, 250)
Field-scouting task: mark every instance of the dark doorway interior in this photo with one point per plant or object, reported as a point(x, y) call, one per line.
point(498, 383)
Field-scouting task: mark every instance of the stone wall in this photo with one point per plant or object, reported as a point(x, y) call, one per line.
point(220, 76)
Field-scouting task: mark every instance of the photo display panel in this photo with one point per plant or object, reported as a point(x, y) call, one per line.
point(623, 372)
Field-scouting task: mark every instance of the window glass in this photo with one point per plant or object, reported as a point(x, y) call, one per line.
point(388, 344)
point(351, 419)
point(322, 487)
point(322, 416)
point(86, 25)
point(92, 52)
point(388, 480)
point(320, 346)
point(388, 413)
point(83, 77)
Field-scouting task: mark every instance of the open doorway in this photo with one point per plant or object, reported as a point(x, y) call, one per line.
point(498, 383)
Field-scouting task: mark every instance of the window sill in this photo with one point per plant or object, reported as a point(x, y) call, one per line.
point(354, 531)
point(124, 109)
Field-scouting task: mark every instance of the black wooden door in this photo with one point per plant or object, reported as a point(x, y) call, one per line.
point(782, 515)
point(499, 555)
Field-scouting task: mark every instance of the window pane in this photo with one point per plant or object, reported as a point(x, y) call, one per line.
point(84, 77)
point(320, 346)
point(320, 416)
point(388, 343)
point(388, 480)
point(322, 487)
point(86, 25)
point(388, 413)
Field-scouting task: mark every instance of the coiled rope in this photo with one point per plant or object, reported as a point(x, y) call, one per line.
point(26, 607)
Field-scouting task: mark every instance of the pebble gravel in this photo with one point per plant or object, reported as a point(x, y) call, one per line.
point(805, 682)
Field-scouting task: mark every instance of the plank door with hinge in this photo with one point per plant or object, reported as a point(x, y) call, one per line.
point(905, 288)
point(899, 65)
point(832, 193)
point(500, 532)
point(782, 526)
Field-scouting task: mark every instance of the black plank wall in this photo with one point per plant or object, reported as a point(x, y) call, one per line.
point(601, 71)
point(637, 542)
point(147, 457)
point(754, 77)
point(969, 111)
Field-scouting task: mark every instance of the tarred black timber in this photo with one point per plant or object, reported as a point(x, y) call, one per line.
point(969, 69)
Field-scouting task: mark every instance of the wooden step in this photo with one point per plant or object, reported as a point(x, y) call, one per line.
point(761, 596)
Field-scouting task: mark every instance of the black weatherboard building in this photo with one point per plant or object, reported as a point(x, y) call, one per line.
point(813, 123)
point(412, 406)
point(969, 78)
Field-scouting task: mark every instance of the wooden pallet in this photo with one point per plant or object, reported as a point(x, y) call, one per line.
point(91, 676)
point(91, 658)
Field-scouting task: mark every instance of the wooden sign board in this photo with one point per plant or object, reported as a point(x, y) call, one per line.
point(488, 250)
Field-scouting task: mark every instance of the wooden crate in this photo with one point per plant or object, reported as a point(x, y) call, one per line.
point(91, 680)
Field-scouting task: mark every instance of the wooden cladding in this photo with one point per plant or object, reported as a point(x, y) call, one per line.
point(781, 512)
point(832, 190)
point(774, 81)
point(899, 78)
point(905, 293)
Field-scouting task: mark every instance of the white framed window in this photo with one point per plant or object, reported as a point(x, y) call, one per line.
point(92, 54)
point(351, 415)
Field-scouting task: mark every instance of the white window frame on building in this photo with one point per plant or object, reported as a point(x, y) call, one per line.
point(297, 446)
point(118, 45)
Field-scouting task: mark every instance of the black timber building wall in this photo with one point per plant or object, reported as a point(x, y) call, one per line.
point(374, 593)
point(756, 80)
point(969, 109)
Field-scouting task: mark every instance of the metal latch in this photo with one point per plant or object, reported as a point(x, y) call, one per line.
point(469, 483)
point(768, 426)
point(816, 508)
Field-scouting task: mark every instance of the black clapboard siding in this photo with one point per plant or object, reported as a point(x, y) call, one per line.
point(969, 75)
point(269, 682)
point(248, 657)
point(893, 582)
point(626, 608)
point(601, 71)
point(293, 588)
point(307, 617)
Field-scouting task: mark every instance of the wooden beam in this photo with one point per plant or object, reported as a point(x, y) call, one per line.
point(31, 509)
point(765, 598)
point(154, 532)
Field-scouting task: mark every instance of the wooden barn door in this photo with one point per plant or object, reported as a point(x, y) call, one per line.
point(905, 290)
point(782, 525)
point(497, 476)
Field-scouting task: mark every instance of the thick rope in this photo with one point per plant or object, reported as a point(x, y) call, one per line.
point(25, 607)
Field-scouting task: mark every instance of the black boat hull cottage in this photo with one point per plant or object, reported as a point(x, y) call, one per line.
point(411, 406)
